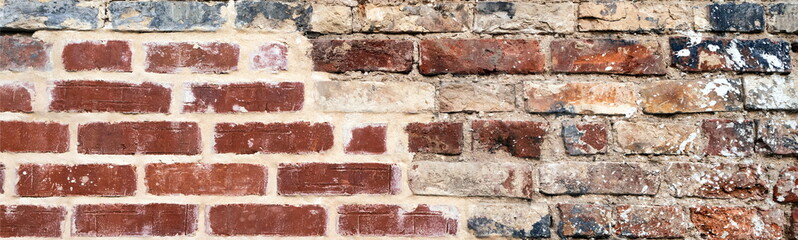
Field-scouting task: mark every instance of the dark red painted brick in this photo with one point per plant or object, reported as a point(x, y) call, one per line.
point(155, 219)
point(786, 188)
point(271, 57)
point(584, 220)
point(110, 56)
point(245, 97)
point(729, 137)
point(367, 140)
point(723, 54)
point(394, 220)
point(296, 137)
point(21, 53)
point(47, 180)
point(102, 96)
point(267, 220)
point(234, 179)
point(38, 137)
point(716, 223)
point(607, 56)
point(636, 221)
point(480, 56)
point(362, 55)
point(16, 97)
point(127, 138)
point(519, 138)
point(437, 137)
point(585, 138)
point(31, 221)
point(337, 179)
point(214, 57)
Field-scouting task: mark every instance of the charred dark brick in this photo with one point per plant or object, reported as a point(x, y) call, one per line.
point(723, 54)
point(734, 17)
point(438, 137)
point(362, 55)
point(166, 16)
point(519, 138)
point(585, 138)
point(273, 15)
point(494, 7)
point(584, 220)
point(510, 220)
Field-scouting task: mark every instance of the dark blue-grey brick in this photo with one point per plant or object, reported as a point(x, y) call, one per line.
point(510, 220)
point(169, 16)
point(54, 14)
point(273, 16)
point(733, 17)
point(724, 54)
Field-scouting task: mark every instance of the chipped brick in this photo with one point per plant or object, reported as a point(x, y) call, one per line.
point(273, 16)
point(519, 138)
point(577, 178)
point(770, 93)
point(584, 138)
point(723, 54)
point(471, 179)
point(166, 16)
point(510, 220)
point(725, 180)
point(777, 137)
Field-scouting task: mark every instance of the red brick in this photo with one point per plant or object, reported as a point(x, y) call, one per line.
point(777, 136)
point(635, 221)
point(267, 220)
point(271, 57)
point(793, 231)
point(584, 220)
point(245, 97)
point(480, 56)
point(607, 56)
point(367, 140)
point(48, 180)
point(16, 97)
point(729, 137)
point(155, 219)
point(337, 179)
point(519, 138)
point(611, 178)
point(362, 55)
point(715, 223)
point(396, 221)
point(437, 137)
point(31, 221)
point(21, 53)
point(786, 188)
point(234, 179)
point(213, 57)
point(109, 56)
point(128, 138)
point(724, 180)
point(584, 138)
point(103, 96)
point(38, 137)
point(296, 137)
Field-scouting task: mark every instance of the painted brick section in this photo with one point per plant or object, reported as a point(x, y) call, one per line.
point(212, 57)
point(637, 221)
point(782, 17)
point(367, 140)
point(725, 180)
point(607, 56)
point(115, 220)
point(486, 179)
point(244, 97)
point(729, 137)
point(377, 97)
point(480, 56)
point(109, 56)
point(438, 137)
point(786, 188)
point(737, 222)
point(510, 220)
point(723, 54)
point(31, 221)
point(520, 139)
point(271, 57)
point(635, 17)
point(273, 16)
point(668, 97)
point(50, 180)
point(476, 97)
point(338, 56)
point(423, 18)
point(33, 137)
point(584, 220)
point(166, 16)
point(672, 138)
point(580, 97)
point(104, 96)
point(296, 137)
point(585, 138)
point(337, 179)
point(21, 53)
point(578, 178)
point(524, 17)
point(267, 220)
point(16, 97)
point(397, 221)
point(770, 93)
point(128, 138)
point(233, 179)
point(736, 17)
point(52, 15)
point(777, 137)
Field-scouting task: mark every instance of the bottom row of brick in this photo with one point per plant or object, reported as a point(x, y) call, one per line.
point(487, 219)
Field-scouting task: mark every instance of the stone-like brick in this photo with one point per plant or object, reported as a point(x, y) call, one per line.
point(33, 137)
point(736, 17)
point(273, 16)
point(358, 96)
point(21, 53)
point(510, 220)
point(79, 180)
point(244, 97)
point(725, 180)
point(723, 54)
point(519, 138)
point(267, 220)
point(584, 138)
point(485, 179)
point(786, 188)
point(524, 17)
point(254, 137)
point(717, 223)
point(480, 56)
point(770, 92)
point(369, 139)
point(577, 178)
point(327, 19)
point(584, 220)
point(337, 179)
point(607, 56)
point(213, 57)
point(728, 137)
point(675, 96)
point(338, 56)
point(31, 221)
point(166, 16)
point(109, 56)
point(636, 221)
point(608, 98)
point(102, 96)
point(234, 179)
point(476, 97)
point(128, 138)
point(777, 137)
point(437, 137)
point(425, 18)
point(54, 15)
point(634, 16)
point(656, 138)
point(271, 57)
point(16, 97)
point(782, 17)
point(116, 220)
point(397, 221)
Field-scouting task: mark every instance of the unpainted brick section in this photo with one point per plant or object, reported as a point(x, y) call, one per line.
point(338, 56)
point(472, 179)
point(267, 220)
point(411, 18)
point(229, 179)
point(584, 220)
point(770, 92)
point(578, 178)
point(367, 140)
point(104, 96)
point(724, 54)
point(631, 57)
point(729, 138)
point(273, 16)
point(716, 222)
point(16, 97)
point(128, 138)
point(476, 97)
point(524, 17)
point(519, 138)
point(49, 15)
point(397, 221)
point(585, 138)
point(670, 138)
point(724, 180)
point(675, 96)
point(244, 97)
point(109, 56)
point(33, 137)
point(174, 57)
point(31, 221)
point(254, 137)
point(736, 17)
point(638, 221)
point(510, 220)
point(48, 180)
point(589, 98)
point(21, 53)
point(480, 56)
point(117, 220)
point(437, 137)
point(644, 16)
point(337, 179)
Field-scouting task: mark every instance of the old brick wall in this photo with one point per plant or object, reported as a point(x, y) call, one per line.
point(398, 118)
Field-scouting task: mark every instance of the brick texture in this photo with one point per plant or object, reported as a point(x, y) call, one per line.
point(392, 220)
point(521, 139)
point(115, 220)
point(245, 97)
point(438, 137)
point(480, 56)
point(103, 96)
point(111, 56)
point(213, 57)
point(607, 56)
point(367, 140)
point(362, 55)
point(128, 138)
point(22, 53)
point(16, 97)
point(337, 179)
point(267, 220)
point(78, 180)
point(296, 137)
point(206, 179)
point(35, 137)
point(31, 221)
point(723, 54)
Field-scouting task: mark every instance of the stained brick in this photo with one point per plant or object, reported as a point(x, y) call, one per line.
point(436, 137)
point(328, 19)
point(51, 15)
point(736, 17)
point(379, 97)
point(476, 97)
point(777, 137)
point(128, 138)
point(267, 220)
point(233, 179)
point(723, 54)
point(580, 98)
point(782, 17)
point(729, 137)
point(35, 137)
point(31, 221)
point(16, 97)
point(519, 138)
point(21, 53)
point(254, 137)
point(244, 97)
point(411, 18)
point(397, 221)
point(486, 179)
point(337, 179)
point(638, 221)
point(585, 138)
point(607, 56)
point(584, 220)
point(115, 220)
point(793, 230)
point(166, 16)
point(109, 56)
point(103, 96)
point(48, 180)
point(577, 178)
point(173, 57)
point(634, 16)
point(510, 220)
point(770, 92)
point(480, 56)
point(659, 138)
point(667, 97)
point(737, 222)
point(524, 17)
point(725, 180)
point(362, 55)
point(271, 57)
point(368, 139)
point(786, 188)
point(273, 16)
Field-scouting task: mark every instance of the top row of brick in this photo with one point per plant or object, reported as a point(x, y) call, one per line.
point(483, 17)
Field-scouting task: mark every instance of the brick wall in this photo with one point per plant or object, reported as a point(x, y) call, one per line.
point(383, 118)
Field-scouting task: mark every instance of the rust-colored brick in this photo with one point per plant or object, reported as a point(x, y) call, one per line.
point(728, 137)
point(519, 138)
point(245, 97)
point(337, 179)
point(437, 137)
point(127, 138)
point(480, 56)
point(233, 179)
point(367, 140)
point(114, 220)
point(637, 221)
point(362, 55)
point(16, 97)
point(717, 223)
point(296, 137)
point(786, 188)
point(110, 56)
point(103, 96)
point(36, 137)
point(48, 180)
point(31, 221)
point(607, 56)
point(214, 57)
point(585, 138)
point(21, 53)
point(393, 220)
point(267, 220)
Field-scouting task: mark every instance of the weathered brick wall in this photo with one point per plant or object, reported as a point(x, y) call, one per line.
point(392, 118)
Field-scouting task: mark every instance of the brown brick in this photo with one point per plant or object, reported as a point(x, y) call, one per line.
point(21, 53)
point(436, 137)
point(109, 56)
point(128, 138)
point(480, 56)
point(476, 97)
point(777, 137)
point(724, 54)
point(786, 188)
point(31, 221)
point(362, 55)
point(607, 56)
point(584, 138)
point(578, 178)
point(48, 180)
point(233, 179)
point(584, 220)
point(659, 138)
point(337, 179)
point(718, 95)
point(103, 96)
point(244, 97)
point(725, 180)
point(637, 221)
point(254, 137)
point(580, 98)
point(267, 220)
point(115, 220)
point(634, 16)
point(737, 222)
point(16, 97)
point(36, 137)
point(487, 179)
point(397, 221)
point(519, 138)
point(173, 57)
point(271, 57)
point(368, 139)
point(793, 231)
point(729, 137)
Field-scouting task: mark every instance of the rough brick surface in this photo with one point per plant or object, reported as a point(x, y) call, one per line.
point(585, 138)
point(439, 17)
point(21, 53)
point(723, 54)
point(659, 138)
point(737, 222)
point(267, 220)
point(128, 138)
point(782, 17)
point(244, 97)
point(337, 179)
point(49, 180)
point(166, 16)
point(273, 16)
point(476, 97)
point(633, 16)
point(34, 137)
point(487, 179)
point(329, 19)
point(296, 137)
point(521, 139)
point(53, 15)
point(729, 137)
point(480, 56)
point(215, 57)
point(724, 180)
point(16, 97)
point(234, 179)
point(115, 220)
point(577, 178)
point(31, 221)
point(510, 220)
point(668, 97)
point(376, 97)
point(770, 93)
point(103, 96)
point(362, 55)
point(437, 137)
point(607, 56)
point(580, 98)
point(786, 188)
point(368, 139)
point(110, 56)
point(584, 220)
point(777, 137)
point(736, 17)
point(637, 221)
point(393, 220)
point(523, 17)
point(271, 57)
